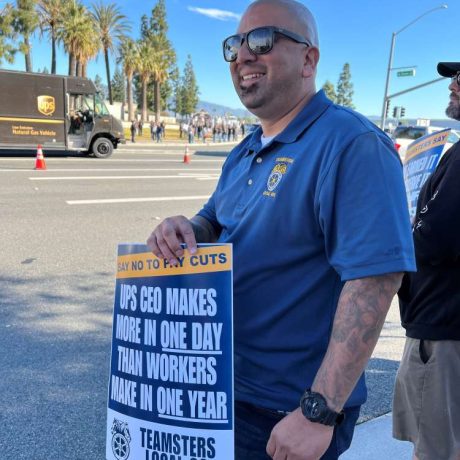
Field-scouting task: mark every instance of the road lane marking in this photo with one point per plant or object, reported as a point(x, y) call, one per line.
point(210, 177)
point(196, 176)
point(138, 200)
point(119, 160)
point(179, 170)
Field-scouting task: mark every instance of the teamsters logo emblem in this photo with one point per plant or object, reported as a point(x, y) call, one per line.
point(120, 439)
point(46, 105)
point(276, 174)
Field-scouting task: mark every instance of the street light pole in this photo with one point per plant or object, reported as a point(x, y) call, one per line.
point(386, 99)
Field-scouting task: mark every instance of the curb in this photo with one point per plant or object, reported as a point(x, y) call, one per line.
point(135, 145)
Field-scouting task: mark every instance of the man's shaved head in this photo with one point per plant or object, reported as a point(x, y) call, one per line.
point(276, 84)
point(305, 23)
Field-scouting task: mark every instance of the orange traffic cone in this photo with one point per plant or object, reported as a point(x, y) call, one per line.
point(186, 155)
point(40, 160)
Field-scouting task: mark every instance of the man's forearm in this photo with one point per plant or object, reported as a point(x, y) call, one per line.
point(203, 230)
point(361, 312)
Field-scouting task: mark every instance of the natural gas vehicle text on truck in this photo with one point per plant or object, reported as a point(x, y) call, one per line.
point(57, 112)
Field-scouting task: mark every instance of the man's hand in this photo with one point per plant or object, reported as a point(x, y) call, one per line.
point(296, 438)
point(165, 241)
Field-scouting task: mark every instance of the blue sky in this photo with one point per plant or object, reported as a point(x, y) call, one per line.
point(353, 31)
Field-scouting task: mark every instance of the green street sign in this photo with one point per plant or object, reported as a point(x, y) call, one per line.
point(406, 73)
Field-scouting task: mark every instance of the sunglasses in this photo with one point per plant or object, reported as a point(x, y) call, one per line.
point(456, 79)
point(259, 41)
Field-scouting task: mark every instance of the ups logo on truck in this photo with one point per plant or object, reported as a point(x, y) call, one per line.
point(46, 105)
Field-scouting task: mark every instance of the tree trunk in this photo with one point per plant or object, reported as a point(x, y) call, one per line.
point(157, 102)
point(144, 99)
point(129, 93)
point(83, 69)
point(107, 68)
point(79, 70)
point(123, 103)
point(27, 55)
point(72, 65)
point(53, 51)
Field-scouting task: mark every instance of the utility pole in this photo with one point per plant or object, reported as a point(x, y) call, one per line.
point(386, 98)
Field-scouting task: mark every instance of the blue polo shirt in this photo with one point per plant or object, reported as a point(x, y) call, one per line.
point(322, 203)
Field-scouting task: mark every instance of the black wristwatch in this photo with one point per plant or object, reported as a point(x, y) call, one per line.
point(314, 408)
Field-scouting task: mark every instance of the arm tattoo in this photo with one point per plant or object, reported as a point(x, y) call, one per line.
point(361, 312)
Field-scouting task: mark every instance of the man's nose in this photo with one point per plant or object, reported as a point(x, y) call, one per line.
point(244, 55)
point(454, 85)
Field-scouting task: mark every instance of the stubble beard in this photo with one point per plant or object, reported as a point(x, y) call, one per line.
point(251, 97)
point(453, 109)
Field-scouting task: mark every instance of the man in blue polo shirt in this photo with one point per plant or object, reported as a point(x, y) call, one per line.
point(314, 204)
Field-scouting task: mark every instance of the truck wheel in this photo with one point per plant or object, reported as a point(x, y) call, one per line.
point(102, 147)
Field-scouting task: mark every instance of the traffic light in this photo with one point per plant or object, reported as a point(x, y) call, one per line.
point(403, 111)
point(395, 112)
point(387, 107)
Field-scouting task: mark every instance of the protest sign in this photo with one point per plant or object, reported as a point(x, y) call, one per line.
point(421, 159)
point(171, 375)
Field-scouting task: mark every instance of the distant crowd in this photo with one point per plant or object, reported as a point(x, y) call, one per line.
point(200, 127)
point(157, 130)
point(218, 132)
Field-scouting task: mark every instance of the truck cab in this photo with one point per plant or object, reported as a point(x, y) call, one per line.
point(89, 125)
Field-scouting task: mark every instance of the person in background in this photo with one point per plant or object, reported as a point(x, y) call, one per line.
point(426, 403)
point(315, 207)
point(158, 132)
point(133, 129)
point(191, 133)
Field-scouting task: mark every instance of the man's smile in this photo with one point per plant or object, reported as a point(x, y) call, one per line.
point(252, 76)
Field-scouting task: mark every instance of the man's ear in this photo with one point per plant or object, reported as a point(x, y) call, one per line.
point(311, 58)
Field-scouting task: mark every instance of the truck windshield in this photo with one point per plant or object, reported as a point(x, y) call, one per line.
point(100, 108)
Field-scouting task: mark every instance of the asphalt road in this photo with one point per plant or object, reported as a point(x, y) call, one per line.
point(59, 230)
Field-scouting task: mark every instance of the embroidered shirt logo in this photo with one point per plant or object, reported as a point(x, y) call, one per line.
point(276, 175)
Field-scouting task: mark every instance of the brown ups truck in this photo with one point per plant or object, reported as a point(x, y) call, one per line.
point(58, 112)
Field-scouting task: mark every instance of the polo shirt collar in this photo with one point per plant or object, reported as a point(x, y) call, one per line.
point(305, 118)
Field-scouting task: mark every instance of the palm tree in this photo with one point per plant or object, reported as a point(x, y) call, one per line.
point(111, 26)
point(88, 48)
point(25, 21)
point(50, 14)
point(129, 56)
point(7, 50)
point(77, 26)
point(145, 67)
point(161, 60)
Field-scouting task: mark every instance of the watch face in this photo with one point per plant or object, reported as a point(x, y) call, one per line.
point(312, 407)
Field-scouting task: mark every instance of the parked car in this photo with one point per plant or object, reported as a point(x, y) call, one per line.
point(403, 136)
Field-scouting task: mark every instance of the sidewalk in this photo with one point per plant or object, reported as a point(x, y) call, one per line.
point(373, 441)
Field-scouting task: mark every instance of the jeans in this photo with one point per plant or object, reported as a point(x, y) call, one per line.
point(253, 427)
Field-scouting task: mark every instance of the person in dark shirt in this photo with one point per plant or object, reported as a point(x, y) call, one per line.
point(133, 129)
point(427, 398)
